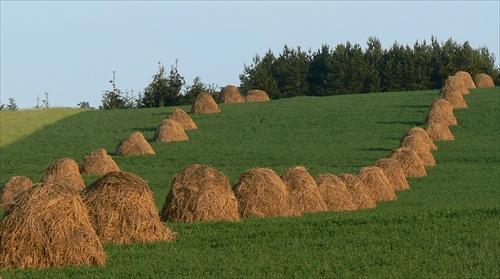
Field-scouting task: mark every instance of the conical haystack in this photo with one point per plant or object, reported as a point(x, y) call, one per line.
point(441, 111)
point(261, 193)
point(454, 84)
point(256, 96)
point(135, 144)
point(334, 193)
point(98, 163)
point(455, 99)
point(483, 81)
point(49, 227)
point(466, 79)
point(420, 132)
point(200, 193)
point(122, 210)
point(394, 173)
point(358, 191)
point(438, 131)
point(67, 170)
point(420, 147)
point(411, 163)
point(170, 131)
point(183, 118)
point(14, 187)
point(232, 95)
point(378, 185)
point(303, 190)
point(204, 104)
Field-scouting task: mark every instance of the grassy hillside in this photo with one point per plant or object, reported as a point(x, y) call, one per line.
point(447, 225)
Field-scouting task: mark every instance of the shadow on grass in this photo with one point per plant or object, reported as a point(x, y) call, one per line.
point(415, 123)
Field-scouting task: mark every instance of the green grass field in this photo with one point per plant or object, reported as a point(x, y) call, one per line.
point(446, 225)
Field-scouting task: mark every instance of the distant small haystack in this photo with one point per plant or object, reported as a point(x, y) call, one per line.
point(420, 147)
point(441, 111)
point(411, 163)
point(122, 210)
point(67, 170)
point(335, 193)
point(483, 81)
point(98, 163)
point(393, 171)
point(378, 185)
point(304, 193)
point(261, 193)
point(256, 96)
point(14, 187)
point(200, 193)
point(170, 131)
point(49, 227)
point(232, 95)
point(455, 84)
point(204, 104)
point(466, 78)
point(358, 190)
point(420, 132)
point(183, 118)
point(438, 131)
point(135, 144)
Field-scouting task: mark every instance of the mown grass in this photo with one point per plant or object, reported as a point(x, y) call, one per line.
point(447, 225)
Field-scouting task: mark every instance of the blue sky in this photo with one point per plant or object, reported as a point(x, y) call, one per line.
point(70, 48)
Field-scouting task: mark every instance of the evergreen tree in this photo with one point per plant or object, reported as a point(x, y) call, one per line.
point(259, 75)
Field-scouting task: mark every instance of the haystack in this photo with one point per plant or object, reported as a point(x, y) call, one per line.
point(358, 191)
point(378, 185)
point(49, 227)
point(200, 193)
point(455, 99)
point(334, 193)
point(411, 163)
point(394, 173)
point(122, 210)
point(183, 118)
point(204, 104)
point(232, 95)
point(14, 187)
point(98, 163)
point(420, 147)
point(170, 131)
point(67, 170)
point(483, 81)
point(438, 131)
point(135, 144)
point(256, 96)
point(441, 111)
point(466, 79)
point(303, 190)
point(455, 84)
point(261, 193)
point(420, 132)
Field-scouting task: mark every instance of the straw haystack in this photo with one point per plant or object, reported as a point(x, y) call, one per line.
point(204, 104)
point(454, 84)
point(438, 131)
point(378, 185)
point(420, 132)
point(183, 118)
point(466, 79)
point(15, 186)
point(49, 227)
point(334, 193)
point(98, 163)
point(420, 147)
point(135, 144)
point(67, 170)
point(483, 81)
point(304, 193)
point(256, 96)
point(261, 193)
point(455, 99)
point(358, 190)
point(232, 95)
point(411, 163)
point(200, 193)
point(441, 111)
point(170, 131)
point(394, 173)
point(122, 210)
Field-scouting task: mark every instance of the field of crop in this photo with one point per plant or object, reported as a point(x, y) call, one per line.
point(446, 225)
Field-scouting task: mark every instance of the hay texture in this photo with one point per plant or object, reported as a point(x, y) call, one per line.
point(466, 79)
point(204, 104)
point(134, 145)
point(98, 163)
point(304, 193)
point(455, 84)
point(441, 111)
point(420, 132)
point(232, 95)
point(455, 99)
point(358, 190)
point(378, 185)
point(256, 96)
point(14, 187)
point(49, 227)
point(122, 210)
point(200, 193)
point(170, 131)
point(394, 173)
point(64, 170)
point(411, 163)
point(483, 81)
point(183, 118)
point(261, 193)
point(420, 147)
point(334, 193)
point(438, 131)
